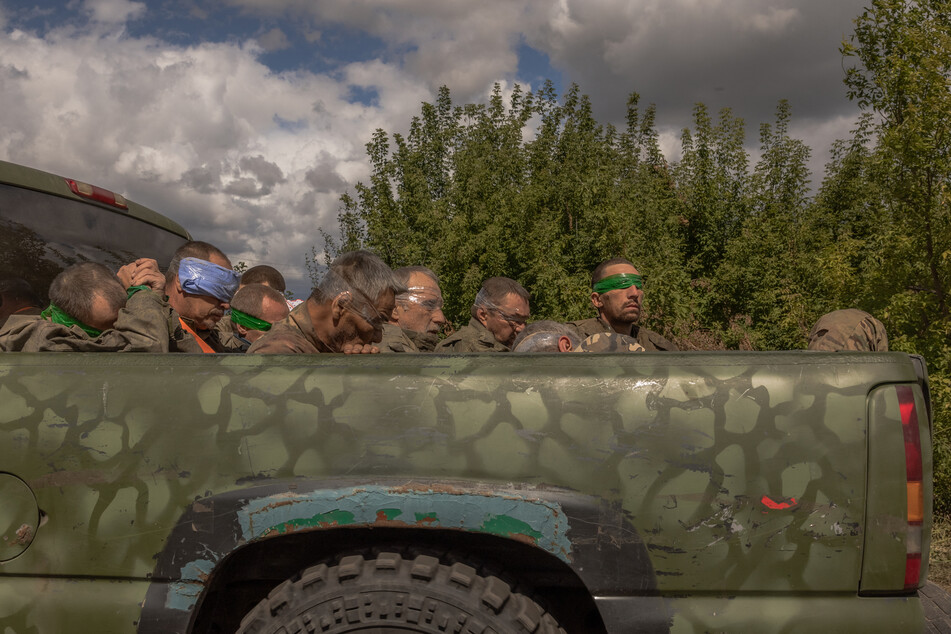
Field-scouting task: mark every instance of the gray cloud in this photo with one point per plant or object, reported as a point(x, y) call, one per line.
point(255, 161)
point(676, 53)
point(273, 40)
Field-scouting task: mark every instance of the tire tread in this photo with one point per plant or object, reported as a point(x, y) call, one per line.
point(418, 593)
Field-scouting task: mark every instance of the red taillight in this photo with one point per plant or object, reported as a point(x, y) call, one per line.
point(913, 483)
point(97, 193)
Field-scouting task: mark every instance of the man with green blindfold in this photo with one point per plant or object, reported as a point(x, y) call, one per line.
point(93, 310)
point(254, 309)
point(617, 293)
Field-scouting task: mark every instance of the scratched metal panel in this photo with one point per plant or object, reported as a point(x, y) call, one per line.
point(742, 472)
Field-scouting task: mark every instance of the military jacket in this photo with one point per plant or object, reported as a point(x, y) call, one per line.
point(228, 336)
point(648, 338)
point(472, 338)
point(295, 334)
point(142, 326)
point(424, 341)
point(395, 339)
point(180, 340)
point(849, 329)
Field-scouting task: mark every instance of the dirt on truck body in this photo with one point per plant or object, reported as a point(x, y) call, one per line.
point(661, 492)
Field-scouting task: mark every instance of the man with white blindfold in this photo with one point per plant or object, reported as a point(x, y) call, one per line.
point(200, 283)
point(418, 318)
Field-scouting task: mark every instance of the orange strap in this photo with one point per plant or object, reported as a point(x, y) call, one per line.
point(201, 343)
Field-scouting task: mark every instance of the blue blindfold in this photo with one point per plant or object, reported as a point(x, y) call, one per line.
point(200, 277)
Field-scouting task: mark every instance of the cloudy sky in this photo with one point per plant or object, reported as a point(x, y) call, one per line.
point(245, 120)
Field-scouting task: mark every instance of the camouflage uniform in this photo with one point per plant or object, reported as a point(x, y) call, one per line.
point(142, 326)
point(848, 329)
point(294, 334)
point(424, 341)
point(650, 340)
point(180, 340)
point(609, 342)
point(228, 336)
point(395, 339)
point(472, 338)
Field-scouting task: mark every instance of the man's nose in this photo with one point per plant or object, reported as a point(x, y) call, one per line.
point(438, 317)
point(519, 328)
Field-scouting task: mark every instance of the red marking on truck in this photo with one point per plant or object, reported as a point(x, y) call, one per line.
point(786, 503)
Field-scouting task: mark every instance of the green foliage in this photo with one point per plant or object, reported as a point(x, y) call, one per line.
point(473, 191)
point(902, 79)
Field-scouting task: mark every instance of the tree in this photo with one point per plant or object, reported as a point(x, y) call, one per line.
point(902, 75)
point(901, 79)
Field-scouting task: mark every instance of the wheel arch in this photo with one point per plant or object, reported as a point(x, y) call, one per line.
point(576, 543)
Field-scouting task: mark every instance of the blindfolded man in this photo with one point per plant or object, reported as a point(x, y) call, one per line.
point(617, 293)
point(418, 318)
point(499, 313)
point(345, 312)
point(200, 284)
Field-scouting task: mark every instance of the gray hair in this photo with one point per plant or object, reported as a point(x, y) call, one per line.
point(404, 272)
point(250, 299)
point(543, 336)
point(494, 290)
point(192, 249)
point(362, 272)
point(76, 288)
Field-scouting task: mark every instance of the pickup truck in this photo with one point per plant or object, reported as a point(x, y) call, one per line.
point(652, 492)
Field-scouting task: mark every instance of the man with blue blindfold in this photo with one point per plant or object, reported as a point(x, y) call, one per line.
point(200, 283)
point(617, 293)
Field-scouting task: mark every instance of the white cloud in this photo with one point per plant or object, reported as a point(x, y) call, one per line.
point(205, 134)
point(114, 11)
point(256, 160)
point(465, 45)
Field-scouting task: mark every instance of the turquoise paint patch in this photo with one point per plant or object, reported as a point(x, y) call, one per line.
point(513, 516)
point(183, 594)
point(321, 520)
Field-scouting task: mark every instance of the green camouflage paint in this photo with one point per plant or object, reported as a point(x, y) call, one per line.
point(743, 474)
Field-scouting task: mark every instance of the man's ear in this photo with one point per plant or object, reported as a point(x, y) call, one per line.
point(481, 314)
point(241, 330)
point(340, 304)
point(564, 344)
point(597, 301)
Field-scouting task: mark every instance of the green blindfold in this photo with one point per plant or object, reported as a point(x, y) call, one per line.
point(56, 315)
point(246, 320)
point(619, 281)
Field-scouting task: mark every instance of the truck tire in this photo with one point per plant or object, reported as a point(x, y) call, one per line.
point(392, 594)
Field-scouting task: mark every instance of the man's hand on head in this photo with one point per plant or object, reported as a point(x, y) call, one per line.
point(126, 274)
point(147, 273)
